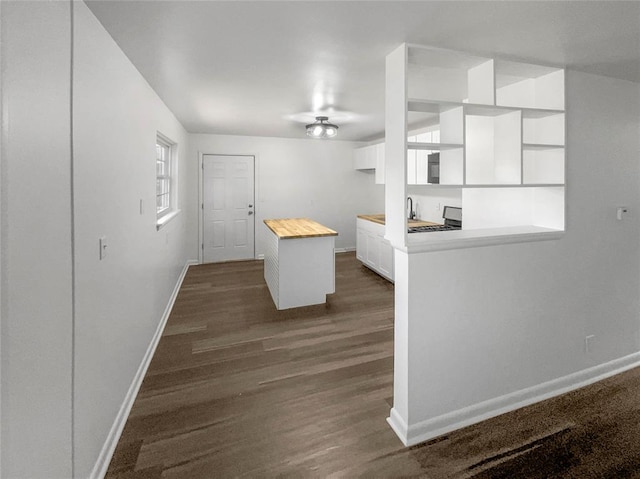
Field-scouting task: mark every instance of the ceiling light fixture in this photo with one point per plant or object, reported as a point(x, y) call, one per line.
point(321, 129)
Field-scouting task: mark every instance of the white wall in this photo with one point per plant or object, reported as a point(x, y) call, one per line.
point(430, 206)
point(74, 328)
point(498, 320)
point(119, 300)
point(301, 178)
point(36, 240)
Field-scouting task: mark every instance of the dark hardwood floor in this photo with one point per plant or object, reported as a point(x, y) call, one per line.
point(239, 389)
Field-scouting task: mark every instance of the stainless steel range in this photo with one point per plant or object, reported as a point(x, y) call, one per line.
point(452, 221)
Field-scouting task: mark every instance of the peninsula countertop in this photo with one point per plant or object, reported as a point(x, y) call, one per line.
point(380, 219)
point(290, 228)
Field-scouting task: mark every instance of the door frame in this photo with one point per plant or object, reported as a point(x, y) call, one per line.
point(256, 210)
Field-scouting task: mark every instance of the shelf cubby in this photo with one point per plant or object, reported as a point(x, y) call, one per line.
point(493, 148)
point(541, 205)
point(501, 142)
point(544, 130)
point(526, 85)
point(450, 76)
point(542, 164)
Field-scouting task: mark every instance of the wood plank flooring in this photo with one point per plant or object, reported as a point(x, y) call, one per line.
point(237, 388)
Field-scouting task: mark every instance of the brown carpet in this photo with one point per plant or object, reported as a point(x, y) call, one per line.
point(593, 432)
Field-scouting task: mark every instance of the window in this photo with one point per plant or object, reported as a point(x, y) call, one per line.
point(165, 181)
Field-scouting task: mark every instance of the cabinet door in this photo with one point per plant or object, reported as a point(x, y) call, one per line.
point(371, 153)
point(359, 158)
point(361, 245)
point(386, 259)
point(373, 250)
point(380, 164)
point(364, 158)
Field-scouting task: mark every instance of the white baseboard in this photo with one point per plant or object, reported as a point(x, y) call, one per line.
point(411, 434)
point(398, 425)
point(104, 458)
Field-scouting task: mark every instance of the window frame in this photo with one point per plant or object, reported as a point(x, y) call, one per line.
point(167, 175)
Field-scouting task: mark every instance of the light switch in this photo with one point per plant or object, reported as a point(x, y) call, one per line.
point(103, 248)
point(621, 211)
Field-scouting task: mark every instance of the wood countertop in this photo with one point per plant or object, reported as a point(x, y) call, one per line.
point(373, 218)
point(290, 228)
point(381, 220)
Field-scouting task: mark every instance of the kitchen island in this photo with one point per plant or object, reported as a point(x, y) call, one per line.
point(299, 262)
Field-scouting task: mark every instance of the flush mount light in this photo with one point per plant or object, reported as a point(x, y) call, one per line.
point(321, 128)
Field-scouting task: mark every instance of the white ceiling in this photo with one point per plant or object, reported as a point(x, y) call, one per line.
point(265, 68)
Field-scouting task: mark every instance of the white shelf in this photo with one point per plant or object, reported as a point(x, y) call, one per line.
point(458, 239)
point(429, 106)
point(416, 145)
point(538, 112)
point(438, 106)
point(543, 185)
point(494, 185)
point(486, 110)
point(539, 146)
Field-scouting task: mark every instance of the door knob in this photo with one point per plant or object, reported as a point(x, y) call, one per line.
point(250, 213)
point(250, 206)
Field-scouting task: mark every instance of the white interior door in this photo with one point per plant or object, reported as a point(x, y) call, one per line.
point(227, 210)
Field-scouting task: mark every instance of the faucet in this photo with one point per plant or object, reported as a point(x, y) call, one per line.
point(412, 214)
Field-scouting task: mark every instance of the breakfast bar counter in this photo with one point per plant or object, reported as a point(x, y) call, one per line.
point(299, 262)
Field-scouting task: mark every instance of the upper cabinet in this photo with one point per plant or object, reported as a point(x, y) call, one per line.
point(364, 158)
point(370, 158)
point(501, 139)
point(380, 152)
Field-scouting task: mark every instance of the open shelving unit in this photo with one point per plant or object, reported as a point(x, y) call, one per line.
point(501, 141)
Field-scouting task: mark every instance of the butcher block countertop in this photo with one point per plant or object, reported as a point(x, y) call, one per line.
point(373, 218)
point(380, 220)
point(290, 228)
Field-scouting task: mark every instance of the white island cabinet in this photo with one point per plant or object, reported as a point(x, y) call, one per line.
point(299, 262)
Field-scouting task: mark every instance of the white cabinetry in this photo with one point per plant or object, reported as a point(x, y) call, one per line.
point(372, 249)
point(365, 158)
point(380, 149)
point(299, 270)
point(361, 242)
point(385, 265)
point(501, 140)
point(370, 158)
